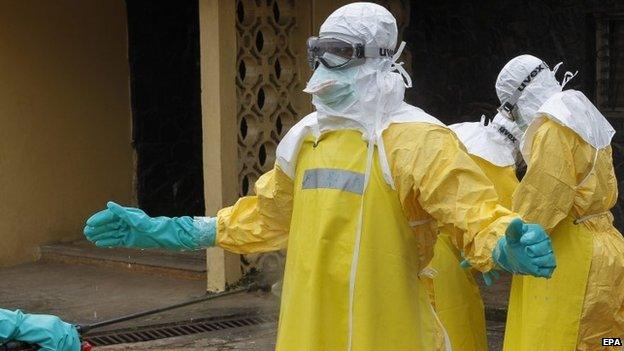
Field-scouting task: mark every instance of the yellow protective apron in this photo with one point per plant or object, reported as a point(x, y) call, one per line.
point(344, 213)
point(542, 316)
point(457, 299)
point(351, 280)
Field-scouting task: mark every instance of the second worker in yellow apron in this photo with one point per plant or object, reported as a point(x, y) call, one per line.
point(494, 147)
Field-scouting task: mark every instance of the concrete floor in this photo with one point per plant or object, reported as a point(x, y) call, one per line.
point(495, 298)
point(259, 338)
point(86, 294)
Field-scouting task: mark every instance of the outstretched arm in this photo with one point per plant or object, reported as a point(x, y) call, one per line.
point(431, 167)
point(254, 224)
point(261, 222)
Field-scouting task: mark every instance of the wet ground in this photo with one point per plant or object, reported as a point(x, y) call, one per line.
point(86, 294)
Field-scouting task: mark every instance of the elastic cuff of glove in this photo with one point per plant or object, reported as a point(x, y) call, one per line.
point(206, 231)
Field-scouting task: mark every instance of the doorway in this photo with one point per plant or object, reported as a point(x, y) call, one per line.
point(163, 48)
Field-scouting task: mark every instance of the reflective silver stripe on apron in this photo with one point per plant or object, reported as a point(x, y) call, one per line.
point(331, 178)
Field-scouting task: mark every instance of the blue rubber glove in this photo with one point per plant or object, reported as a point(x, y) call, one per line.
point(525, 249)
point(49, 332)
point(489, 278)
point(131, 227)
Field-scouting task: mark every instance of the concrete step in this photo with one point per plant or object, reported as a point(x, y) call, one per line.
point(185, 265)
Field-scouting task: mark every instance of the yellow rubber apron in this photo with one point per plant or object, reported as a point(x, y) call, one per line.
point(457, 299)
point(351, 280)
point(545, 314)
point(568, 311)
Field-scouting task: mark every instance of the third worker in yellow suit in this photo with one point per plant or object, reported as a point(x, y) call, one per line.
point(569, 188)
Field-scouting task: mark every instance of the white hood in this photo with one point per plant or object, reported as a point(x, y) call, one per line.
point(498, 142)
point(571, 108)
point(379, 82)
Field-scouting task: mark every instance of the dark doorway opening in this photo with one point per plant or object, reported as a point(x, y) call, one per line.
point(163, 46)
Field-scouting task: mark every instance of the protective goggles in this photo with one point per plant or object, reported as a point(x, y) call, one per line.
point(339, 53)
point(508, 109)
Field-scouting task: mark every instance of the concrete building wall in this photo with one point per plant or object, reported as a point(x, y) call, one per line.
point(64, 119)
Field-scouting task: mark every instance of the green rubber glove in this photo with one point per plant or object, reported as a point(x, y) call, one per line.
point(49, 332)
point(525, 249)
point(130, 227)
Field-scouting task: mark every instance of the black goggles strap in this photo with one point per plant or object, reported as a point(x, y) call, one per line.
point(373, 51)
point(510, 104)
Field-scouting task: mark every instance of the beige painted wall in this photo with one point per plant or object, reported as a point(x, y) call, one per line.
point(64, 119)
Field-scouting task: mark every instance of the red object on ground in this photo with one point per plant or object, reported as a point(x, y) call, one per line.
point(85, 346)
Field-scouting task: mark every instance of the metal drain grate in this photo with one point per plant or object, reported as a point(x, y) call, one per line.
point(161, 331)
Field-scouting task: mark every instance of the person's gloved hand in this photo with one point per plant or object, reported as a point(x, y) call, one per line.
point(525, 249)
point(489, 278)
point(49, 332)
point(131, 227)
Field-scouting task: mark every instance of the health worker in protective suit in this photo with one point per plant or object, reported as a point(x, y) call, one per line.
point(494, 148)
point(49, 332)
point(347, 182)
point(569, 188)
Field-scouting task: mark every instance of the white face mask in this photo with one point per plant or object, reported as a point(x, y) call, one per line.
point(334, 88)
